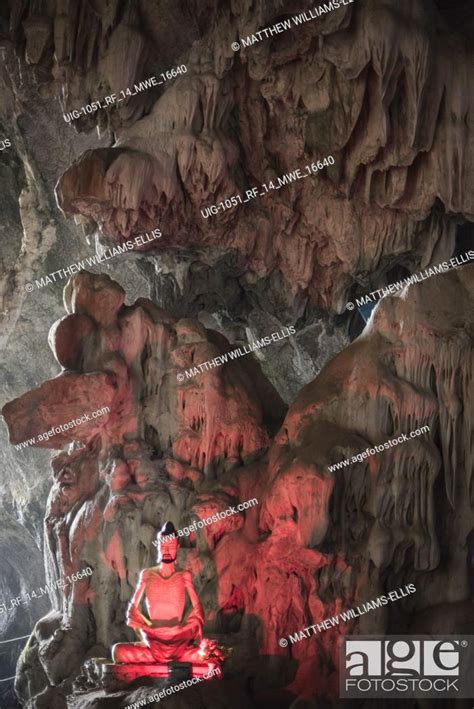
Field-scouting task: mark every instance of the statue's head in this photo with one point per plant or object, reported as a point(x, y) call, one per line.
point(167, 543)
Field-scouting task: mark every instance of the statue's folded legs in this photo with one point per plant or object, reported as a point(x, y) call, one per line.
point(166, 635)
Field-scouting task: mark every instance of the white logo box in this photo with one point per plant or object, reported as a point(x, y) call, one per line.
point(407, 666)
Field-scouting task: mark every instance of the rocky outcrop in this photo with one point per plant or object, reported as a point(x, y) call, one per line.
point(371, 98)
point(338, 537)
point(156, 452)
point(390, 106)
point(385, 89)
point(22, 600)
point(323, 537)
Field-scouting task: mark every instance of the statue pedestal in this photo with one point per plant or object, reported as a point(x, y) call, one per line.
point(115, 673)
point(128, 673)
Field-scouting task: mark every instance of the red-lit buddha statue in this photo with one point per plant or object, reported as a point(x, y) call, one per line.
point(166, 635)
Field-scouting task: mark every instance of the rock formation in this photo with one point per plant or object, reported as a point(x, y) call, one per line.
point(338, 86)
point(22, 573)
point(319, 541)
point(389, 106)
point(384, 88)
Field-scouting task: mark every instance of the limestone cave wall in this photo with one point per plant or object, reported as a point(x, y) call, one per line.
point(167, 280)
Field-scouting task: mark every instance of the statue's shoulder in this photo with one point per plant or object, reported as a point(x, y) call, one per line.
point(145, 573)
point(150, 570)
point(186, 575)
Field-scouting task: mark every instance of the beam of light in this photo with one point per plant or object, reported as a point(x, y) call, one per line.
point(22, 637)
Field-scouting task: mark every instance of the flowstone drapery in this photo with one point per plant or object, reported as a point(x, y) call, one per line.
point(386, 90)
point(317, 543)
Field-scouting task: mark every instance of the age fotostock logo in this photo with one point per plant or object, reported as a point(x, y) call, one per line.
point(406, 666)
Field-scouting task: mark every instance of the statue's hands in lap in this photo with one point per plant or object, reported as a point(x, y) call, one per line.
point(135, 619)
point(195, 627)
point(180, 631)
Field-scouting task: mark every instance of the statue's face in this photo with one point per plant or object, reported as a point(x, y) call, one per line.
point(167, 550)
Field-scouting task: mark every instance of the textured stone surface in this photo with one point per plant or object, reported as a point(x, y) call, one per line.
point(321, 540)
point(36, 240)
point(140, 463)
point(21, 562)
point(387, 90)
point(356, 92)
point(348, 83)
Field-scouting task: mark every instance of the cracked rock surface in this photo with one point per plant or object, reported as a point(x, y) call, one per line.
point(385, 88)
point(322, 538)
